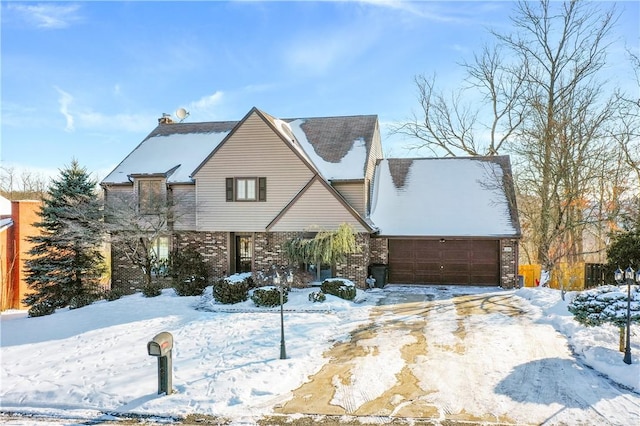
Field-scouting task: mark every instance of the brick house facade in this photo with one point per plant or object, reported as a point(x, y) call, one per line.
point(242, 189)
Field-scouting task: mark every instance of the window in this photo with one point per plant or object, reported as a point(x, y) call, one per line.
point(246, 189)
point(149, 195)
point(160, 252)
point(319, 271)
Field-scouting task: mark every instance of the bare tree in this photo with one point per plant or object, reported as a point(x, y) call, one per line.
point(135, 229)
point(560, 142)
point(25, 185)
point(451, 126)
point(540, 100)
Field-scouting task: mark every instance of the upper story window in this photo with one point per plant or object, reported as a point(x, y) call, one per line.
point(246, 189)
point(150, 195)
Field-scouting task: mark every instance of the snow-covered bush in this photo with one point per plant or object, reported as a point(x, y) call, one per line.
point(317, 296)
point(342, 288)
point(234, 289)
point(268, 297)
point(42, 308)
point(606, 304)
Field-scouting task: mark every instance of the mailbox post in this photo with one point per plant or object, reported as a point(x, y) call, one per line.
point(161, 347)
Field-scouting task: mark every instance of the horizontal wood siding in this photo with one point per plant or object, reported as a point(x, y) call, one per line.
point(353, 192)
point(120, 197)
point(316, 209)
point(184, 199)
point(375, 154)
point(254, 150)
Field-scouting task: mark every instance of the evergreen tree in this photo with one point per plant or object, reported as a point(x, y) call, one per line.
point(623, 251)
point(67, 263)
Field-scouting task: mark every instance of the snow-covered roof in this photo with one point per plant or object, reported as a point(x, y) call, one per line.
point(336, 146)
point(5, 206)
point(444, 197)
point(5, 223)
point(179, 146)
point(330, 158)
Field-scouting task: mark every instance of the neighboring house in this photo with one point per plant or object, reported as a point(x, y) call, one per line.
point(244, 188)
point(16, 226)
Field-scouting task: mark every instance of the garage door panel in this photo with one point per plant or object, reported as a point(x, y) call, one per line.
point(416, 261)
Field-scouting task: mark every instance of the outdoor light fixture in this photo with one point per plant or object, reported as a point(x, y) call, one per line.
point(621, 277)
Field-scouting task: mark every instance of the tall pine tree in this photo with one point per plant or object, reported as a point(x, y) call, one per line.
point(67, 264)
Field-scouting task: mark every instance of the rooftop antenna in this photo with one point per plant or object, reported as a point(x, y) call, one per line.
point(182, 113)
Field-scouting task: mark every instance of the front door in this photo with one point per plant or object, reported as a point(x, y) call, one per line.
point(244, 253)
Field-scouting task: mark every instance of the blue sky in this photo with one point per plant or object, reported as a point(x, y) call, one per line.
point(88, 80)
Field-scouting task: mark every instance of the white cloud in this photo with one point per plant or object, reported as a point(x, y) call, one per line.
point(426, 10)
point(317, 54)
point(78, 117)
point(65, 100)
point(47, 15)
point(206, 106)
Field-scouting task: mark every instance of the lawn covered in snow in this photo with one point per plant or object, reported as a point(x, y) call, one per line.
point(226, 357)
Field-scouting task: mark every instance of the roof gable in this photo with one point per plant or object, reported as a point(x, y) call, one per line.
point(279, 127)
point(445, 197)
point(301, 212)
point(335, 147)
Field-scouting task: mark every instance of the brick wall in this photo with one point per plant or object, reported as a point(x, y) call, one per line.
point(213, 246)
point(379, 248)
point(508, 263)
point(268, 251)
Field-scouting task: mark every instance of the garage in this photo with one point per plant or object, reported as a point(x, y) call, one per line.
point(444, 261)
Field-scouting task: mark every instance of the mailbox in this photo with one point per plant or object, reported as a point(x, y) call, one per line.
point(161, 345)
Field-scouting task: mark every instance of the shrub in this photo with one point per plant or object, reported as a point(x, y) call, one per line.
point(317, 296)
point(114, 294)
point(83, 299)
point(341, 288)
point(151, 290)
point(268, 297)
point(229, 291)
point(188, 272)
point(41, 308)
point(606, 304)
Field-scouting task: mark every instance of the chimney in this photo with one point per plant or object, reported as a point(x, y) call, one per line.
point(165, 119)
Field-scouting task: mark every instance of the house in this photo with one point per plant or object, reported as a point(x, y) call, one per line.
point(242, 189)
point(16, 226)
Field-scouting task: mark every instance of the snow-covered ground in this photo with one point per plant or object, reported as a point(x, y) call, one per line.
point(93, 360)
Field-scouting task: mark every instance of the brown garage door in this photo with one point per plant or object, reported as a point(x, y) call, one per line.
point(466, 262)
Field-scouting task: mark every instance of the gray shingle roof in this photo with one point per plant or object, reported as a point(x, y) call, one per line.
point(182, 147)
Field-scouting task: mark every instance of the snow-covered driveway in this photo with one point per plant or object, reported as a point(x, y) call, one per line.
point(488, 357)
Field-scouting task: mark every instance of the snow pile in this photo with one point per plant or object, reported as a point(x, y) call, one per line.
point(597, 346)
point(93, 360)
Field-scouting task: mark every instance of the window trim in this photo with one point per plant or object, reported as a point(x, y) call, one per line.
point(147, 199)
point(259, 189)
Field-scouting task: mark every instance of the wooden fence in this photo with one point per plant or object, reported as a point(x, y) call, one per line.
point(573, 277)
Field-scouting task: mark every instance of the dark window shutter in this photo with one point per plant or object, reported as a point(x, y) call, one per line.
point(229, 186)
point(262, 189)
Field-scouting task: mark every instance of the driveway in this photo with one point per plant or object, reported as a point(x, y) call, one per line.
point(460, 355)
